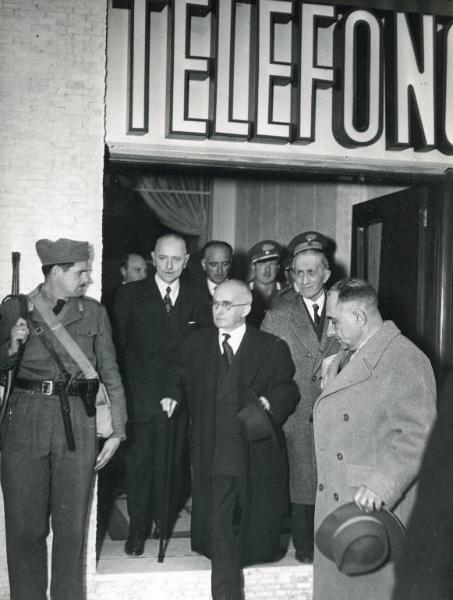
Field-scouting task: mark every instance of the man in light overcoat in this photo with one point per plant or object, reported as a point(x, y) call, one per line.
point(292, 318)
point(371, 423)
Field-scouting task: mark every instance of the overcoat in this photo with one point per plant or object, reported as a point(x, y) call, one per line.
point(371, 424)
point(425, 569)
point(288, 318)
point(265, 368)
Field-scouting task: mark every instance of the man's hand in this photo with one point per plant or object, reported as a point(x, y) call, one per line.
point(19, 333)
point(367, 500)
point(168, 405)
point(265, 403)
point(108, 450)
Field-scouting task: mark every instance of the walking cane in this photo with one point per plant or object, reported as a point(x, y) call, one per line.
point(165, 491)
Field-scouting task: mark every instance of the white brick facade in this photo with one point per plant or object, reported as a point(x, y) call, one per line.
point(52, 69)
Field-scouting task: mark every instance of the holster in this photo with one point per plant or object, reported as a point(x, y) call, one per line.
point(88, 389)
point(66, 415)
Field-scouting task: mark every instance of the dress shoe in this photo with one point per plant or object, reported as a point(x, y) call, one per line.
point(302, 557)
point(134, 545)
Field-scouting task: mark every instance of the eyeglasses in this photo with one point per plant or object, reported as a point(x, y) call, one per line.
point(227, 305)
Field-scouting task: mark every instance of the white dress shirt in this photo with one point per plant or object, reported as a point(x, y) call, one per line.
point(163, 285)
point(320, 302)
point(211, 286)
point(235, 337)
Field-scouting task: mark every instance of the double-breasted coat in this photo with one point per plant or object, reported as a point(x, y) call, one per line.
point(371, 423)
point(265, 368)
point(288, 319)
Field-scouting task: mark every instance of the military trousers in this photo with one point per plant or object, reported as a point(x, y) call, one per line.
point(43, 482)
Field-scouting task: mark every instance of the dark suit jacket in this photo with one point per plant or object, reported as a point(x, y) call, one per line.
point(147, 339)
point(265, 368)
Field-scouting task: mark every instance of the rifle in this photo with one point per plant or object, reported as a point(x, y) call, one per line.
point(8, 378)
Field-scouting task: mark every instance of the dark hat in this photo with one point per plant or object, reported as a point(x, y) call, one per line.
point(256, 422)
point(359, 542)
point(62, 251)
point(309, 240)
point(265, 250)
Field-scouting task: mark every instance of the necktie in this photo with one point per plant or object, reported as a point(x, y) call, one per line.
point(228, 353)
point(58, 306)
point(167, 300)
point(316, 315)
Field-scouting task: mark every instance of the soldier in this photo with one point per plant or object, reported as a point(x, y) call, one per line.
point(40, 471)
point(264, 260)
point(298, 317)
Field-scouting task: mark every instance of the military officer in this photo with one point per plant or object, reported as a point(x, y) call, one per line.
point(40, 472)
point(298, 317)
point(264, 260)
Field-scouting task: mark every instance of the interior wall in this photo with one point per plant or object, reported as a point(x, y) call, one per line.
point(279, 209)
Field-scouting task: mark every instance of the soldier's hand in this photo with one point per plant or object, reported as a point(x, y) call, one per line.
point(19, 333)
point(108, 450)
point(168, 405)
point(367, 500)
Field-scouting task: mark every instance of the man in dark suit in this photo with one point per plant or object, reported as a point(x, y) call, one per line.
point(217, 257)
point(239, 489)
point(298, 317)
point(152, 316)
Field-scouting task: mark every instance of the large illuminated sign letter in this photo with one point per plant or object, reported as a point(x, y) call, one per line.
point(183, 68)
point(357, 112)
point(225, 45)
point(270, 72)
point(445, 90)
point(410, 83)
point(311, 74)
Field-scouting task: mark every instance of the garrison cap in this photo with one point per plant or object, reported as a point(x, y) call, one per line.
point(62, 251)
point(265, 250)
point(309, 240)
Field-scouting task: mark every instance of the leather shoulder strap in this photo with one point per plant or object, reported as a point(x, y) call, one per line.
point(65, 338)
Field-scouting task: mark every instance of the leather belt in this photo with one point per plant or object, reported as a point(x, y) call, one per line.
point(47, 387)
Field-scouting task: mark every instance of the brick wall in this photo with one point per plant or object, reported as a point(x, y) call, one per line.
point(52, 69)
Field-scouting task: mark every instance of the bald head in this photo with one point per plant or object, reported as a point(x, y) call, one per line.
point(231, 305)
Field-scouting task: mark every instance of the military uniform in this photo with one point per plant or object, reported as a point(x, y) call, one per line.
point(264, 251)
point(39, 474)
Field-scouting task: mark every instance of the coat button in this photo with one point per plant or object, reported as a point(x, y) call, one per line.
point(336, 496)
point(345, 417)
point(339, 456)
point(314, 378)
point(320, 487)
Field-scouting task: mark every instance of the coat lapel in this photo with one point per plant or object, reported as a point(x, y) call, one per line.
point(302, 325)
point(361, 365)
point(247, 360)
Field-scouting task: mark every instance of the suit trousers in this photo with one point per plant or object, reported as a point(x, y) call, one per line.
point(302, 529)
point(228, 501)
point(144, 470)
point(40, 478)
